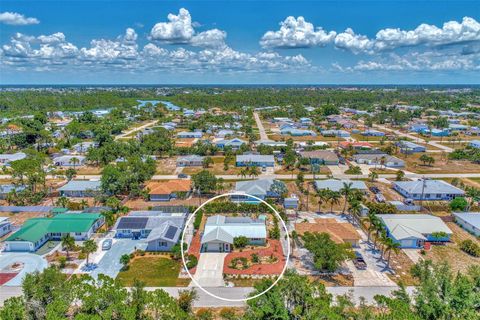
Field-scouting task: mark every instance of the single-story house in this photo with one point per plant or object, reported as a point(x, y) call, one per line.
point(373, 133)
point(402, 206)
point(190, 161)
point(220, 232)
point(260, 188)
point(469, 221)
point(297, 132)
point(69, 161)
point(6, 158)
point(355, 145)
point(335, 133)
point(410, 147)
point(189, 134)
point(258, 160)
point(437, 132)
point(340, 232)
point(161, 228)
point(306, 121)
point(83, 147)
point(337, 185)
point(234, 143)
point(376, 159)
point(430, 189)
point(5, 189)
point(5, 226)
point(320, 157)
point(457, 127)
point(35, 232)
point(418, 127)
point(224, 132)
point(474, 144)
point(80, 188)
point(413, 230)
point(270, 143)
point(168, 189)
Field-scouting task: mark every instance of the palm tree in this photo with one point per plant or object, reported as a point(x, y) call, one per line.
point(323, 197)
point(62, 202)
point(390, 246)
point(355, 209)
point(89, 246)
point(254, 171)
point(373, 176)
point(334, 198)
point(345, 191)
point(373, 223)
point(74, 161)
point(83, 204)
point(68, 243)
point(382, 161)
point(243, 172)
point(472, 193)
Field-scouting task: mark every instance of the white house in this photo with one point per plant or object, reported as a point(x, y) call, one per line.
point(5, 158)
point(469, 221)
point(426, 189)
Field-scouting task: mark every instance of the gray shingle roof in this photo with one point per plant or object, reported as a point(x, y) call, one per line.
point(254, 187)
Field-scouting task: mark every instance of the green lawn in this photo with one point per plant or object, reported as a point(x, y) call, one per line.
point(154, 271)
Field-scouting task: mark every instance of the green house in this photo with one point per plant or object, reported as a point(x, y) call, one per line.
point(35, 232)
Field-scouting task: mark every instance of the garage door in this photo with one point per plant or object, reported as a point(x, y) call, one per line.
point(19, 246)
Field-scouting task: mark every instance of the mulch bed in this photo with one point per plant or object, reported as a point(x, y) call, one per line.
point(274, 247)
point(5, 277)
point(194, 249)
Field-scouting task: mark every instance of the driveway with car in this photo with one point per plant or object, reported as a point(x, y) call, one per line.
point(31, 263)
point(109, 264)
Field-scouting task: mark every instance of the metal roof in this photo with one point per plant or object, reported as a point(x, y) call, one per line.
point(254, 187)
point(80, 185)
point(255, 158)
point(404, 226)
point(337, 185)
point(472, 218)
point(431, 186)
point(225, 229)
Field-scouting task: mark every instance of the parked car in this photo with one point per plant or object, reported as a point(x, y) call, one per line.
point(107, 244)
point(182, 176)
point(359, 262)
point(379, 197)
point(264, 169)
point(374, 189)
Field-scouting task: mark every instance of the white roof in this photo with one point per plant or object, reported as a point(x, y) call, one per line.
point(405, 226)
point(472, 218)
point(254, 187)
point(337, 185)
point(227, 228)
point(255, 158)
point(431, 186)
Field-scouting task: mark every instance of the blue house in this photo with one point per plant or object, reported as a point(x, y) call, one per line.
point(474, 144)
point(255, 160)
point(234, 143)
point(373, 133)
point(297, 132)
point(261, 188)
point(410, 147)
point(437, 132)
point(418, 127)
point(413, 230)
point(189, 134)
point(335, 133)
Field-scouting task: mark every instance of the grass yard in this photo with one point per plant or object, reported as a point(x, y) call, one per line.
point(215, 168)
point(154, 271)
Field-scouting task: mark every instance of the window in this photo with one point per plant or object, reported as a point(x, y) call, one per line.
point(162, 243)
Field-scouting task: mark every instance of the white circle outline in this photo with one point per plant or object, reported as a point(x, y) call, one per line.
point(212, 294)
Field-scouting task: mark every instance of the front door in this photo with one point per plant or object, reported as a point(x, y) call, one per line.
point(227, 247)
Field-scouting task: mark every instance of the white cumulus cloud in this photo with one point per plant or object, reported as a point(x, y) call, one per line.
point(177, 30)
point(17, 19)
point(296, 33)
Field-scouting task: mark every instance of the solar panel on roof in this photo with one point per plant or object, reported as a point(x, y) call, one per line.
point(132, 223)
point(171, 232)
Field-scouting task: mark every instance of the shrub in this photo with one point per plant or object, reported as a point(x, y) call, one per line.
point(62, 260)
point(192, 261)
point(227, 314)
point(240, 242)
point(470, 247)
point(198, 220)
point(255, 258)
point(204, 314)
point(458, 204)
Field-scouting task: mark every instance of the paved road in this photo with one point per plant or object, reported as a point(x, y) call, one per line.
point(127, 133)
point(205, 300)
point(261, 129)
point(31, 263)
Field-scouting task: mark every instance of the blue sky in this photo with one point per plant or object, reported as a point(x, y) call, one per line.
point(230, 42)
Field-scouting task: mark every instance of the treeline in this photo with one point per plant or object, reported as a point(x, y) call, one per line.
point(440, 294)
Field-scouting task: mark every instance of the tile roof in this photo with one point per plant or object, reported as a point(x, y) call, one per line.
point(338, 231)
point(168, 186)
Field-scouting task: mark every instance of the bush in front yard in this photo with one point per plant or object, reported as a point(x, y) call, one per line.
point(240, 242)
point(192, 261)
point(470, 247)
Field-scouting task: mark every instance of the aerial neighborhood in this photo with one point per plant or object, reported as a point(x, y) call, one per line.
point(349, 194)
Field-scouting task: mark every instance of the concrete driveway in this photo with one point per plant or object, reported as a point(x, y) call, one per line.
point(31, 263)
point(109, 262)
point(210, 270)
